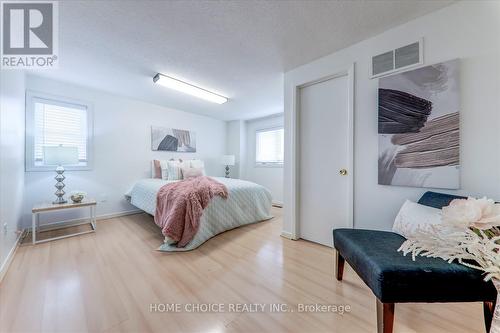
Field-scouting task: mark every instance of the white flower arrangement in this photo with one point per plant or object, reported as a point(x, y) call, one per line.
point(469, 234)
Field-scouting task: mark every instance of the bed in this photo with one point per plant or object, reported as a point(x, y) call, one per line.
point(247, 203)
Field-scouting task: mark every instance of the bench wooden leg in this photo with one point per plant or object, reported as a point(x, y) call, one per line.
point(488, 310)
point(339, 263)
point(385, 317)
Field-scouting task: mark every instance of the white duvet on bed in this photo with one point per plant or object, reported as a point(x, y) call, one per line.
point(247, 203)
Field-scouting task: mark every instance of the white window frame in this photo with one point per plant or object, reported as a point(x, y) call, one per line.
point(267, 164)
point(30, 129)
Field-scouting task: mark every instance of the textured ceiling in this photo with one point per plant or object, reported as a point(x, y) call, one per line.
point(239, 49)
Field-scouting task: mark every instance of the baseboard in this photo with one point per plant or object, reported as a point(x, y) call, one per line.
point(8, 260)
point(125, 213)
point(73, 222)
point(287, 235)
point(277, 204)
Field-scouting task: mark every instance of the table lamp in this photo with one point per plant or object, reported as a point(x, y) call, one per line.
point(60, 156)
point(228, 160)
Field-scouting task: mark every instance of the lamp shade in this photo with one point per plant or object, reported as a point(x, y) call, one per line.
point(60, 155)
point(228, 160)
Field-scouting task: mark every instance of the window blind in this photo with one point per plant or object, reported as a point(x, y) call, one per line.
point(59, 125)
point(270, 146)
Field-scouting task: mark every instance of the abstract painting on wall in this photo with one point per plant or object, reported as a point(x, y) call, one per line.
point(418, 126)
point(170, 139)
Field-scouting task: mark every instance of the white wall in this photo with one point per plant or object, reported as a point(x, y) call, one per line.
point(466, 30)
point(122, 148)
point(270, 177)
point(235, 145)
point(12, 86)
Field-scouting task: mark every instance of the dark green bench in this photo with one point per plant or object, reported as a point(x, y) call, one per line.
point(395, 278)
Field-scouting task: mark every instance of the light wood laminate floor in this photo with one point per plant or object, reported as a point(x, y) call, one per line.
point(106, 281)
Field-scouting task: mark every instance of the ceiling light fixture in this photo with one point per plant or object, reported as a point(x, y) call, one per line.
point(187, 88)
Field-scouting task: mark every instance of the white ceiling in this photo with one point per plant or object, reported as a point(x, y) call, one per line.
point(239, 49)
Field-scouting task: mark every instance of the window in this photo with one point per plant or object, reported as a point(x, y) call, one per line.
point(269, 147)
point(53, 121)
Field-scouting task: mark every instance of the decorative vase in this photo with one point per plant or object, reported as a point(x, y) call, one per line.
point(77, 197)
point(495, 323)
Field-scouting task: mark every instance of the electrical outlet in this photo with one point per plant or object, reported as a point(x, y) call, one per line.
point(5, 228)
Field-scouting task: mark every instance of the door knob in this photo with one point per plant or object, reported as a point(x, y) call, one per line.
point(343, 172)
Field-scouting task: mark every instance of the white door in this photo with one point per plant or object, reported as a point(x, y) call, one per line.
point(324, 139)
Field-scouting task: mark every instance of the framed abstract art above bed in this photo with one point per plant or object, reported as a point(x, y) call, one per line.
point(418, 127)
point(171, 139)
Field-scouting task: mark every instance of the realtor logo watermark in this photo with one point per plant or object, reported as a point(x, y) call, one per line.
point(29, 37)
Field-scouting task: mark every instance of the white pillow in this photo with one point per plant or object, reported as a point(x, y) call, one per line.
point(198, 164)
point(184, 164)
point(164, 169)
point(191, 172)
point(412, 216)
point(174, 169)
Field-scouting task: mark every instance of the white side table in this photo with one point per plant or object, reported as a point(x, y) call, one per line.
point(50, 207)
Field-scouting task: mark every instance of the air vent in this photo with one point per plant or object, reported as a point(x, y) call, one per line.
point(395, 60)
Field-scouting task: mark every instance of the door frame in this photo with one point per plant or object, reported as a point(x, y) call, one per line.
point(295, 140)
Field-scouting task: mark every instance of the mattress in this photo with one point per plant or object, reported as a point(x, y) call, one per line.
point(247, 203)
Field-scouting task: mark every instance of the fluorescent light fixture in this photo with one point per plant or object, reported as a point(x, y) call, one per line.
point(187, 88)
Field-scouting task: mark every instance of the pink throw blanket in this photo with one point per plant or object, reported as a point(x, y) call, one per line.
point(179, 206)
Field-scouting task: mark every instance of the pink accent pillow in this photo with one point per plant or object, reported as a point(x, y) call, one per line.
point(191, 172)
point(157, 169)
